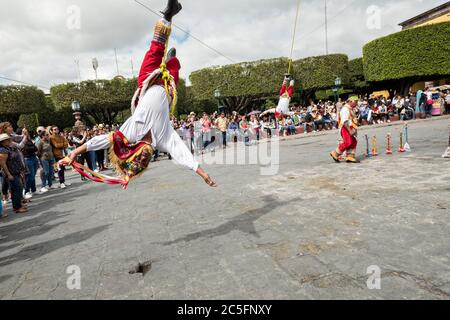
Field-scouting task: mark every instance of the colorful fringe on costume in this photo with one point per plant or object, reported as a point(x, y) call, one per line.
point(129, 161)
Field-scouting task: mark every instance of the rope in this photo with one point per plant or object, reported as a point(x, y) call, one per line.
point(167, 78)
point(293, 37)
point(94, 176)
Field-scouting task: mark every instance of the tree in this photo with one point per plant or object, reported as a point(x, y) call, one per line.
point(101, 99)
point(17, 100)
point(29, 121)
point(47, 116)
point(401, 59)
point(185, 101)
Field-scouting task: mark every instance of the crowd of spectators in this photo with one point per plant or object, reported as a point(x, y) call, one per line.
point(201, 131)
point(26, 155)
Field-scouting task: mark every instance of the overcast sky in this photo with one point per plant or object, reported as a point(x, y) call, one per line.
point(40, 40)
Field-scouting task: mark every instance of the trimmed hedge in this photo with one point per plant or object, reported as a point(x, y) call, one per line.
point(356, 73)
point(256, 78)
point(315, 73)
point(419, 53)
point(263, 78)
point(95, 95)
point(15, 100)
point(102, 99)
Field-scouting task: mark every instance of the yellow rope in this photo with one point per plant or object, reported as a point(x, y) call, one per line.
point(166, 77)
point(293, 37)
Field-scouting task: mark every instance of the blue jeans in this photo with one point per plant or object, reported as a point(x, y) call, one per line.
point(30, 178)
point(47, 165)
point(93, 159)
point(16, 192)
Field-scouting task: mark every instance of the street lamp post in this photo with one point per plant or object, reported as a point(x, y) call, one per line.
point(335, 90)
point(77, 114)
point(95, 66)
point(337, 83)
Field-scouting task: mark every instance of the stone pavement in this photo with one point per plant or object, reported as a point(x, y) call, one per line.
point(309, 232)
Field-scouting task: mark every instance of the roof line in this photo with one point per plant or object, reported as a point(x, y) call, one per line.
point(436, 9)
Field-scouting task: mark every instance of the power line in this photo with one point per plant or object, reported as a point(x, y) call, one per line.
point(188, 34)
point(310, 33)
point(23, 82)
point(326, 28)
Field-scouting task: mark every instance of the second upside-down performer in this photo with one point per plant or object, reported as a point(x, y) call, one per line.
point(348, 125)
point(149, 128)
point(286, 93)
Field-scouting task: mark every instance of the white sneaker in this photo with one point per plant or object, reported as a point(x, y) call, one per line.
point(28, 196)
point(43, 190)
point(68, 184)
point(62, 186)
point(53, 187)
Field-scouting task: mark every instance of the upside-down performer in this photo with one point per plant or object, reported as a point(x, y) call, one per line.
point(149, 128)
point(348, 126)
point(285, 97)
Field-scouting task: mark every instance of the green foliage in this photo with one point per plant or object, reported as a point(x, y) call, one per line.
point(263, 78)
point(320, 72)
point(184, 104)
point(416, 54)
point(29, 121)
point(49, 116)
point(268, 104)
point(244, 79)
point(101, 99)
point(15, 100)
point(356, 73)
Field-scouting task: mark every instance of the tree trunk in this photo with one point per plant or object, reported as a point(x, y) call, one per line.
point(94, 115)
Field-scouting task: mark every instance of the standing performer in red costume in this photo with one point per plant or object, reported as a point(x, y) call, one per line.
point(285, 97)
point(348, 125)
point(149, 127)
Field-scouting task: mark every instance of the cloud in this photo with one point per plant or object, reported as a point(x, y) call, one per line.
point(38, 47)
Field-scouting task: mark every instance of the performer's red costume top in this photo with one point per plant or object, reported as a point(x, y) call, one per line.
point(152, 61)
point(289, 91)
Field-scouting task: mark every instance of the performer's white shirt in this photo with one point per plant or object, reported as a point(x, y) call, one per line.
point(152, 114)
point(345, 115)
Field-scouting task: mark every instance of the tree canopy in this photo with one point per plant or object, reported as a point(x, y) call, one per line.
point(101, 99)
point(15, 100)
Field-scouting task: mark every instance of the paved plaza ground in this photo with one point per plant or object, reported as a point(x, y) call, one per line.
point(309, 232)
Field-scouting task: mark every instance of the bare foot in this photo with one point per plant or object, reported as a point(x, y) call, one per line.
point(210, 182)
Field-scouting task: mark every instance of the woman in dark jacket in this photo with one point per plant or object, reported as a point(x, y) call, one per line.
point(29, 151)
point(13, 168)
